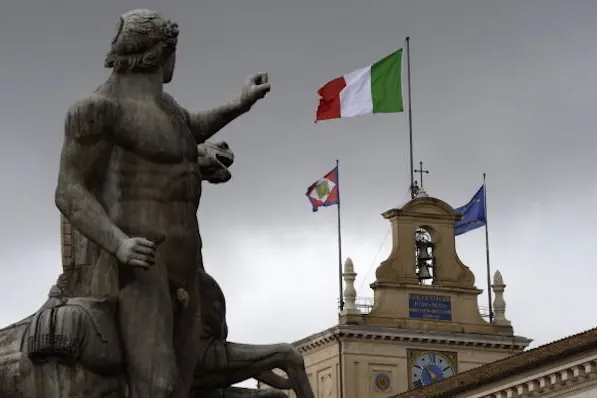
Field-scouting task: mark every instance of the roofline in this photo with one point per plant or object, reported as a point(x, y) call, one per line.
point(498, 370)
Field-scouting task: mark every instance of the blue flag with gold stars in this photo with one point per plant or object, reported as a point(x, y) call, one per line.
point(473, 214)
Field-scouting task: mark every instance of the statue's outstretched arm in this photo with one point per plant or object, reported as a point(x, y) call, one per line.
point(205, 124)
point(84, 153)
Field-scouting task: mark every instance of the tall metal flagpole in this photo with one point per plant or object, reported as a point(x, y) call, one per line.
point(339, 239)
point(410, 121)
point(487, 250)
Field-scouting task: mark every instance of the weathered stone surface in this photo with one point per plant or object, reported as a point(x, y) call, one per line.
point(220, 363)
point(10, 359)
point(134, 313)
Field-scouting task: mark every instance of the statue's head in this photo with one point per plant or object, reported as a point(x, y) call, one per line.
point(144, 42)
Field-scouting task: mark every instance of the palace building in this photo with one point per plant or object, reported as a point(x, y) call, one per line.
point(424, 334)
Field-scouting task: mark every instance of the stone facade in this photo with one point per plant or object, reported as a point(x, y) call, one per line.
point(370, 354)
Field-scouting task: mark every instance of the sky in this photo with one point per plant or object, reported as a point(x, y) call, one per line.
point(506, 88)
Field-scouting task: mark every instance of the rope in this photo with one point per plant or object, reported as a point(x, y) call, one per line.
point(374, 258)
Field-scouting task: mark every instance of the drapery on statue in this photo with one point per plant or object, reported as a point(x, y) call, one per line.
point(128, 189)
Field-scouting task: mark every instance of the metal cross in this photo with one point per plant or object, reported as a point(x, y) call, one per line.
point(421, 171)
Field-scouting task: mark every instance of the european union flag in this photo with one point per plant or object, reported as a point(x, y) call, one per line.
point(473, 213)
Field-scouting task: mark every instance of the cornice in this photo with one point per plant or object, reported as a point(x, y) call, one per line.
point(579, 385)
point(412, 209)
point(553, 384)
point(406, 336)
point(427, 288)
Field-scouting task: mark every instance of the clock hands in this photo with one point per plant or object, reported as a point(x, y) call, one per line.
point(430, 368)
point(432, 375)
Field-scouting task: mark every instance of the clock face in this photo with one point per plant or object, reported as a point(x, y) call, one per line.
point(429, 368)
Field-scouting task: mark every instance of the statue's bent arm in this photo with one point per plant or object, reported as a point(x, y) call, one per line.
point(206, 124)
point(85, 153)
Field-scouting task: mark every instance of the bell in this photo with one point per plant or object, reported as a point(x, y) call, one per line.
point(424, 272)
point(423, 253)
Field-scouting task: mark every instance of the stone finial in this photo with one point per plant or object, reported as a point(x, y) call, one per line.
point(499, 305)
point(350, 293)
point(498, 279)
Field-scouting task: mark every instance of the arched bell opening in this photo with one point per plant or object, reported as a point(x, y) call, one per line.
point(424, 256)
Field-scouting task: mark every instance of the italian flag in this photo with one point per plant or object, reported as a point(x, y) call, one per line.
point(376, 88)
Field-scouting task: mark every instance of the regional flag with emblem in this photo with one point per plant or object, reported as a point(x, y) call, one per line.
point(325, 191)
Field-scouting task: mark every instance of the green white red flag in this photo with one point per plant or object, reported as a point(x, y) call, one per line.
point(376, 88)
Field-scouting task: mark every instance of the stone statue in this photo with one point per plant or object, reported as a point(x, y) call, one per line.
point(144, 319)
point(129, 182)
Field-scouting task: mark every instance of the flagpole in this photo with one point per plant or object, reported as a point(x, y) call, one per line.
point(410, 121)
point(339, 239)
point(340, 361)
point(487, 250)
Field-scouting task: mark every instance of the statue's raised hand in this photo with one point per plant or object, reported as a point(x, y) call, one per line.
point(137, 252)
point(256, 87)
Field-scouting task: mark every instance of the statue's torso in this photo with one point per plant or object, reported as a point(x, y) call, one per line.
point(151, 185)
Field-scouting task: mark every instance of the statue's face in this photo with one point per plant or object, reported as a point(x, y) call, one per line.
point(168, 69)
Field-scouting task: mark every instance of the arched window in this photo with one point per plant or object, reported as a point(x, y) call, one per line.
point(424, 258)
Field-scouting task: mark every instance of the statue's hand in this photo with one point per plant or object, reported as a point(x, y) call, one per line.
point(137, 252)
point(255, 88)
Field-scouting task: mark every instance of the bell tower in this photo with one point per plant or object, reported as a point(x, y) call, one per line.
point(424, 323)
point(423, 284)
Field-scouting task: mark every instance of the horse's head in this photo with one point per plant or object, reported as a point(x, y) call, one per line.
point(214, 159)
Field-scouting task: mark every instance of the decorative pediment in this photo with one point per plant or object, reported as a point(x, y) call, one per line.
point(424, 207)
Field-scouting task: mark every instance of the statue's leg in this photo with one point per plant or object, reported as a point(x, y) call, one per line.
point(186, 327)
point(237, 392)
point(146, 323)
point(245, 361)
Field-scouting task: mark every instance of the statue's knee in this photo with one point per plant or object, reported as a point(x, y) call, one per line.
point(162, 387)
point(164, 376)
point(156, 377)
point(158, 386)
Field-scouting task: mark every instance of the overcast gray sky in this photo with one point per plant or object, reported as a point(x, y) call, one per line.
point(503, 87)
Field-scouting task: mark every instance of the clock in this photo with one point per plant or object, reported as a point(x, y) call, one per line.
point(428, 367)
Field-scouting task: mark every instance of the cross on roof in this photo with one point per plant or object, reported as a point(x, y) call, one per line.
point(421, 172)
